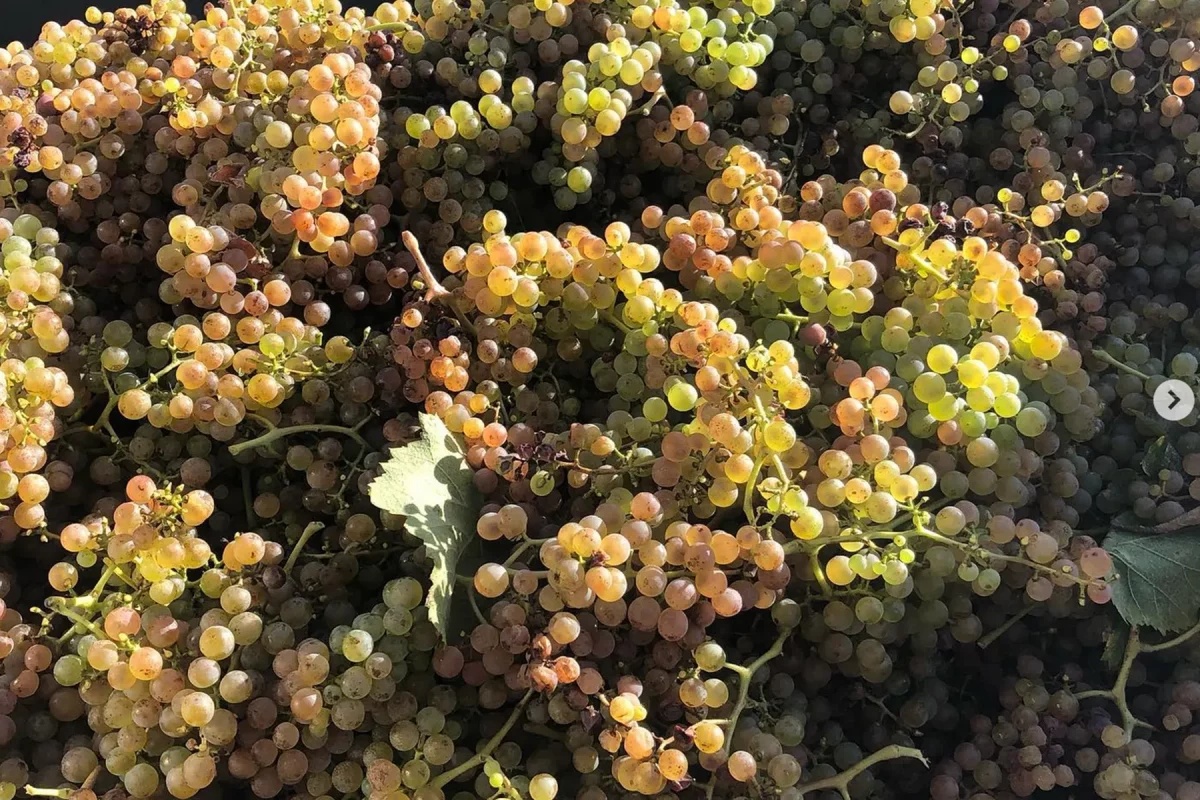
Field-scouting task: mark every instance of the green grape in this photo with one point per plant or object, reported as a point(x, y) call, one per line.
point(987, 582)
point(868, 610)
point(402, 593)
point(895, 572)
point(68, 670)
point(542, 483)
point(941, 358)
point(682, 396)
point(709, 656)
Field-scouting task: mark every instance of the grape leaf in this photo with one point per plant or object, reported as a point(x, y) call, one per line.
point(1115, 644)
point(1157, 573)
point(1160, 455)
point(429, 482)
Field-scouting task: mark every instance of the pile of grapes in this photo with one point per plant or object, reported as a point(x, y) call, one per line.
point(601, 399)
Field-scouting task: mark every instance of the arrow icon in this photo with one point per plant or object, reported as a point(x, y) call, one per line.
point(1174, 400)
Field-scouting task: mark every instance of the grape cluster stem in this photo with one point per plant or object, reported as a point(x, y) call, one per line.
point(487, 749)
point(310, 531)
point(523, 546)
point(278, 433)
point(990, 639)
point(745, 674)
point(842, 780)
point(65, 792)
point(1133, 648)
point(434, 291)
point(1107, 358)
point(102, 423)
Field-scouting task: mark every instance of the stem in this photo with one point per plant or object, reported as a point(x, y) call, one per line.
point(1117, 693)
point(745, 675)
point(789, 317)
point(522, 547)
point(819, 572)
point(475, 604)
point(389, 26)
point(491, 745)
point(279, 433)
point(748, 503)
point(56, 605)
point(987, 641)
point(1120, 12)
point(433, 287)
point(119, 573)
point(35, 791)
point(842, 780)
point(611, 318)
point(434, 291)
point(109, 570)
point(1169, 643)
point(659, 94)
point(1103, 355)
point(102, 422)
point(921, 530)
point(919, 260)
point(312, 530)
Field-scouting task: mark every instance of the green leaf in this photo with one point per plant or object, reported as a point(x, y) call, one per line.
point(1160, 455)
point(430, 483)
point(1115, 643)
point(1157, 573)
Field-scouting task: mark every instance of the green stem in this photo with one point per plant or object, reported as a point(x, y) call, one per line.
point(1103, 355)
point(919, 260)
point(109, 570)
point(842, 780)
point(106, 412)
point(119, 574)
point(1116, 695)
point(611, 318)
point(35, 791)
point(1169, 643)
point(924, 532)
point(474, 600)
point(522, 547)
point(492, 744)
point(310, 531)
point(279, 433)
point(751, 484)
point(986, 641)
point(789, 317)
point(1120, 12)
point(819, 573)
point(745, 676)
point(58, 606)
point(659, 94)
point(389, 26)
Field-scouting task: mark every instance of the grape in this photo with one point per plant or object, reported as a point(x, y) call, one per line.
point(1095, 563)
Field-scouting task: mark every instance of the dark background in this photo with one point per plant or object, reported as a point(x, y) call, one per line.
point(24, 18)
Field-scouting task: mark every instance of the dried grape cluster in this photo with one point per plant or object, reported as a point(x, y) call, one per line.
point(597, 399)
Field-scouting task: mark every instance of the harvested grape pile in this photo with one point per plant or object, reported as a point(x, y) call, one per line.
point(587, 400)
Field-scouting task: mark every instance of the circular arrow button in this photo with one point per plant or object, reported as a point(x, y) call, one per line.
point(1174, 400)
